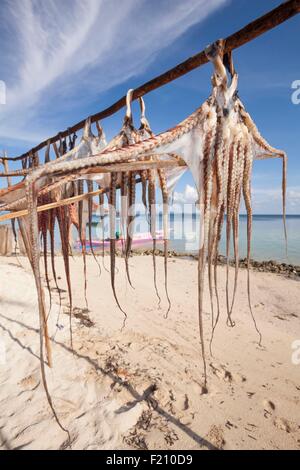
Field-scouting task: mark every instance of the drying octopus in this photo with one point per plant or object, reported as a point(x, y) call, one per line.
point(54, 191)
point(51, 189)
point(218, 143)
point(129, 135)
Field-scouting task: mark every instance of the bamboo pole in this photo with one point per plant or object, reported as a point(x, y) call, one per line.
point(256, 28)
point(54, 205)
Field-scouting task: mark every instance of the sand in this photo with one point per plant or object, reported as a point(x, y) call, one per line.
point(141, 387)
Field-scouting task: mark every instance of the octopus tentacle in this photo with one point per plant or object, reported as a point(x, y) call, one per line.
point(43, 219)
point(130, 221)
point(90, 217)
point(217, 200)
point(102, 215)
point(124, 207)
point(235, 220)
point(269, 152)
point(247, 199)
point(165, 200)
point(284, 179)
point(82, 236)
point(152, 219)
point(220, 223)
point(52, 253)
point(229, 213)
point(144, 188)
point(144, 133)
point(205, 208)
point(112, 219)
point(63, 223)
point(222, 168)
point(34, 256)
point(210, 266)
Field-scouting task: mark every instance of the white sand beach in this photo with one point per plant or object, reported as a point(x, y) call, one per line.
point(141, 387)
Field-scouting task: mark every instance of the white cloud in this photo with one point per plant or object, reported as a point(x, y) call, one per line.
point(188, 196)
point(269, 201)
point(264, 201)
point(55, 51)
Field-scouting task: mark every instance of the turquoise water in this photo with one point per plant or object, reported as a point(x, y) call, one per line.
point(267, 237)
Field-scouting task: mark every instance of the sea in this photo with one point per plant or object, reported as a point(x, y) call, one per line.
point(268, 241)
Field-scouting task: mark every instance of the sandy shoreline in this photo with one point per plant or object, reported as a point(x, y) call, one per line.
point(141, 387)
point(266, 266)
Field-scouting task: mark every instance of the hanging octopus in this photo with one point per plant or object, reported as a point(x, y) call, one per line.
point(219, 143)
point(148, 177)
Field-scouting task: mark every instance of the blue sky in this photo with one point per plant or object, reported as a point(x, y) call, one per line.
point(62, 60)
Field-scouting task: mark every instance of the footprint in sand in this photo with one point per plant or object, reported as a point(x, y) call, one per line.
point(186, 404)
point(269, 408)
point(281, 318)
point(222, 373)
point(183, 402)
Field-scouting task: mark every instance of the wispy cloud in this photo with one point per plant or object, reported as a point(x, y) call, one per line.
point(57, 52)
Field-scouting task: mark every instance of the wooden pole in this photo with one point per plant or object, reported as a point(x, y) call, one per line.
point(4, 162)
point(256, 28)
point(8, 234)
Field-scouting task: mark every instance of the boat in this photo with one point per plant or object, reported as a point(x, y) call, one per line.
point(138, 239)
